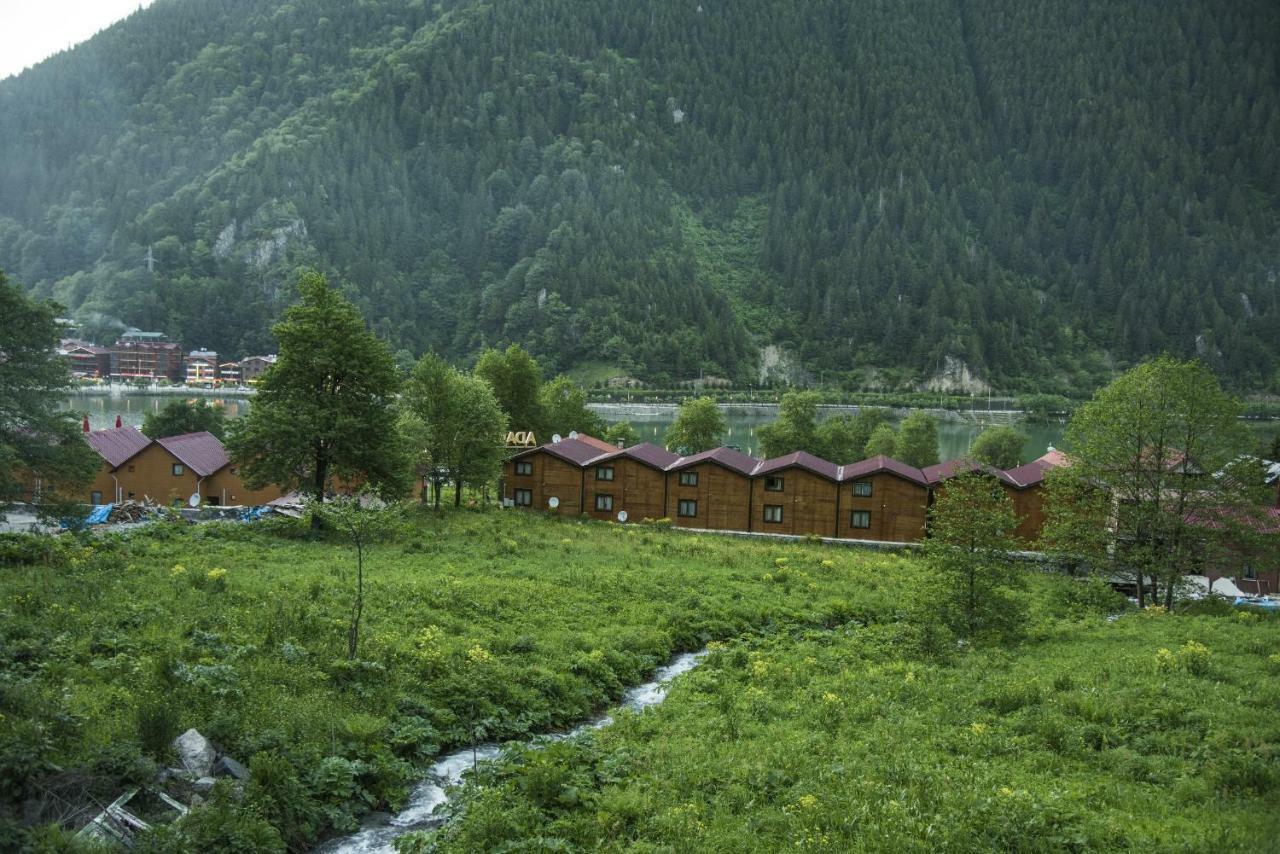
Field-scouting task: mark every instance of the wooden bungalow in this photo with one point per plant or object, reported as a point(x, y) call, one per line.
point(883, 499)
point(711, 489)
point(531, 478)
point(116, 447)
point(1026, 489)
point(796, 494)
point(632, 479)
point(168, 470)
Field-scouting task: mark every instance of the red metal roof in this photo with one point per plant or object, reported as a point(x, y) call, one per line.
point(953, 468)
point(573, 451)
point(201, 452)
point(876, 465)
point(118, 444)
point(645, 452)
point(803, 460)
point(734, 461)
point(599, 444)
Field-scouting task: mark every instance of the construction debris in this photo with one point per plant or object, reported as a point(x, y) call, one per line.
point(115, 824)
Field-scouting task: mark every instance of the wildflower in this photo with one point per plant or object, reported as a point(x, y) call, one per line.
point(978, 728)
point(478, 655)
point(828, 564)
point(216, 573)
point(831, 699)
point(177, 569)
point(1006, 792)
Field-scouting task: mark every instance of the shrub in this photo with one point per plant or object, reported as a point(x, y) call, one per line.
point(156, 720)
point(1193, 657)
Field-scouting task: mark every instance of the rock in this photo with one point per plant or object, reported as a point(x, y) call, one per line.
point(228, 767)
point(196, 753)
point(204, 785)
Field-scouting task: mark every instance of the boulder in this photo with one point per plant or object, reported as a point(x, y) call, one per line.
point(196, 753)
point(204, 785)
point(228, 767)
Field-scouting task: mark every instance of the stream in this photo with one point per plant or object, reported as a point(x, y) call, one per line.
point(418, 813)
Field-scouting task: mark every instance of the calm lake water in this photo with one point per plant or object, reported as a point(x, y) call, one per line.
point(650, 420)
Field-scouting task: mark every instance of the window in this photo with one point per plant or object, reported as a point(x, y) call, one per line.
point(862, 488)
point(773, 512)
point(688, 478)
point(773, 484)
point(178, 469)
point(687, 508)
point(604, 502)
point(524, 497)
point(95, 497)
point(860, 519)
point(604, 472)
point(524, 467)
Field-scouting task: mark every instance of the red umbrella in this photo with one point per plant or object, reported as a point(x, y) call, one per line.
point(85, 425)
point(118, 422)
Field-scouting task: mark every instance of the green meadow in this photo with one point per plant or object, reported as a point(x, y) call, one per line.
point(832, 714)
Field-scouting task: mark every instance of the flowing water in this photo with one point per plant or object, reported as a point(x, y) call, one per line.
point(433, 791)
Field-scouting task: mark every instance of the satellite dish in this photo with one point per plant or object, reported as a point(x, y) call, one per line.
point(553, 502)
point(622, 515)
point(555, 439)
point(194, 500)
point(573, 434)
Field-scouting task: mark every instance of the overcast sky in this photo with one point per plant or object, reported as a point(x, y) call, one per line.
point(31, 30)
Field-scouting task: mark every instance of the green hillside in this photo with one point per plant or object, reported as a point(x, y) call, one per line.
point(1039, 191)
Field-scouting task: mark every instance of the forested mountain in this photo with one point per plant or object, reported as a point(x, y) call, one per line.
point(1036, 189)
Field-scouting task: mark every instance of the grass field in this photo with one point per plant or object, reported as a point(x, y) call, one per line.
point(832, 715)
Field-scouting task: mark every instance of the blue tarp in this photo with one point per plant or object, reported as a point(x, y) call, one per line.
point(99, 514)
point(1258, 601)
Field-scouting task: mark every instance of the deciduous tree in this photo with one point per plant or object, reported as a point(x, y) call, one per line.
point(699, 426)
point(917, 443)
point(970, 527)
point(1000, 446)
point(1160, 442)
point(564, 409)
point(883, 442)
point(325, 409)
point(185, 416)
point(516, 381)
point(38, 441)
point(796, 427)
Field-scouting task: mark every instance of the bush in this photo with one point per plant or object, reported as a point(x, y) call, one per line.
point(156, 720)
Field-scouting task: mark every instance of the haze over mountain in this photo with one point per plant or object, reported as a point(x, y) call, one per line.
point(1035, 190)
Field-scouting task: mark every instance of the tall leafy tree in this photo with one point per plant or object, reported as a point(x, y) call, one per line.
point(454, 425)
point(967, 550)
point(1161, 441)
point(917, 441)
point(183, 416)
point(796, 427)
point(564, 408)
point(622, 434)
point(699, 426)
point(1000, 446)
point(325, 410)
point(37, 440)
point(516, 380)
point(882, 442)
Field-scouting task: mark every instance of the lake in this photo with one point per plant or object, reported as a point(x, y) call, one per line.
point(650, 420)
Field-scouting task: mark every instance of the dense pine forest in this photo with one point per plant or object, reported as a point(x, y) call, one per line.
point(1043, 192)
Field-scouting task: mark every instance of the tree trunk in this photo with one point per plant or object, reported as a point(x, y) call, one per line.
point(457, 492)
point(435, 490)
point(322, 474)
point(353, 631)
